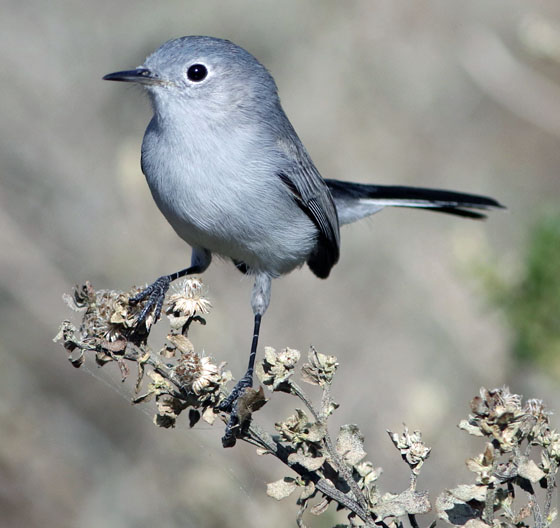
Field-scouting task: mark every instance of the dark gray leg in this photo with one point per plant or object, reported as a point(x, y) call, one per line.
point(259, 301)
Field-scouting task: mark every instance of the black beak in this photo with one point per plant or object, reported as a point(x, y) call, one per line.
point(139, 75)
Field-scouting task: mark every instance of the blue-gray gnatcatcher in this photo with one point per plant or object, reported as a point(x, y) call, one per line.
point(228, 171)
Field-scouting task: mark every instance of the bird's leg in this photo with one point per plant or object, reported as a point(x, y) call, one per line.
point(259, 301)
point(229, 404)
point(155, 292)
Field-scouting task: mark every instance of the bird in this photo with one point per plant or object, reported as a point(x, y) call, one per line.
point(230, 174)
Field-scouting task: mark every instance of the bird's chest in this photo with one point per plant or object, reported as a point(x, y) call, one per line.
point(205, 186)
point(220, 191)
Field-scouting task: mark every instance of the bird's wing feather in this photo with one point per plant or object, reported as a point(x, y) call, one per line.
point(313, 196)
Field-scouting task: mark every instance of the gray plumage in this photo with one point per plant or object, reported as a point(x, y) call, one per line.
point(228, 171)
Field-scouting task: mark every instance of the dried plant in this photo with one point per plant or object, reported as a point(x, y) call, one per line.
point(521, 451)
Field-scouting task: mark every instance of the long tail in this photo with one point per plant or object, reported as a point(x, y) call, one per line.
point(357, 200)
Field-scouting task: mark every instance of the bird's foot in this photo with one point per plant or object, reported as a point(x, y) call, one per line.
point(227, 405)
point(242, 401)
point(155, 293)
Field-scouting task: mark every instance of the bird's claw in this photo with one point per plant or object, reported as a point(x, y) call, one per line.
point(237, 416)
point(155, 293)
point(228, 405)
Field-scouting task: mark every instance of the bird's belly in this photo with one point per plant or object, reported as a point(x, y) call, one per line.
point(258, 225)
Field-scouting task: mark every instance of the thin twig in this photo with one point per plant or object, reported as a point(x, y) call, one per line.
point(550, 485)
point(341, 467)
point(537, 515)
point(265, 441)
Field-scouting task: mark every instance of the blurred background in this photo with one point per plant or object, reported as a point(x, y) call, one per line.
point(421, 310)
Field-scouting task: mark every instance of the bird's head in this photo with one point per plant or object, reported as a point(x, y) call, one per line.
point(203, 74)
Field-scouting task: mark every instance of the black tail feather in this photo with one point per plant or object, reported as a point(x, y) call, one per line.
point(439, 200)
point(465, 213)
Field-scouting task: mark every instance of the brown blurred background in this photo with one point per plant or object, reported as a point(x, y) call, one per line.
point(440, 93)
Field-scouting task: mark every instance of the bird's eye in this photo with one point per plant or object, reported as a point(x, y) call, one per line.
point(197, 72)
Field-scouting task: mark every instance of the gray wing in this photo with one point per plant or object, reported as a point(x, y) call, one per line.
point(313, 196)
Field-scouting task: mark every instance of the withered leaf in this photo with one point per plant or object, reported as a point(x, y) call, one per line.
point(144, 397)
point(141, 370)
point(70, 301)
point(320, 507)
point(406, 503)
point(281, 488)
point(178, 322)
point(307, 491)
point(168, 351)
point(455, 511)
point(114, 346)
point(164, 420)
point(308, 462)
point(350, 444)
point(101, 358)
point(466, 493)
point(308, 375)
point(78, 361)
point(83, 295)
point(194, 417)
point(123, 367)
point(488, 455)
point(65, 332)
point(476, 523)
point(182, 343)
point(208, 415)
point(530, 471)
point(249, 402)
point(159, 383)
point(70, 346)
point(369, 473)
point(169, 405)
point(470, 428)
point(316, 432)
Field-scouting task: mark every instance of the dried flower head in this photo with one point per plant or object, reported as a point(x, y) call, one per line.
point(298, 429)
point(320, 369)
point(198, 373)
point(412, 448)
point(187, 299)
point(108, 316)
point(499, 414)
point(550, 440)
point(277, 367)
point(507, 461)
point(106, 325)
